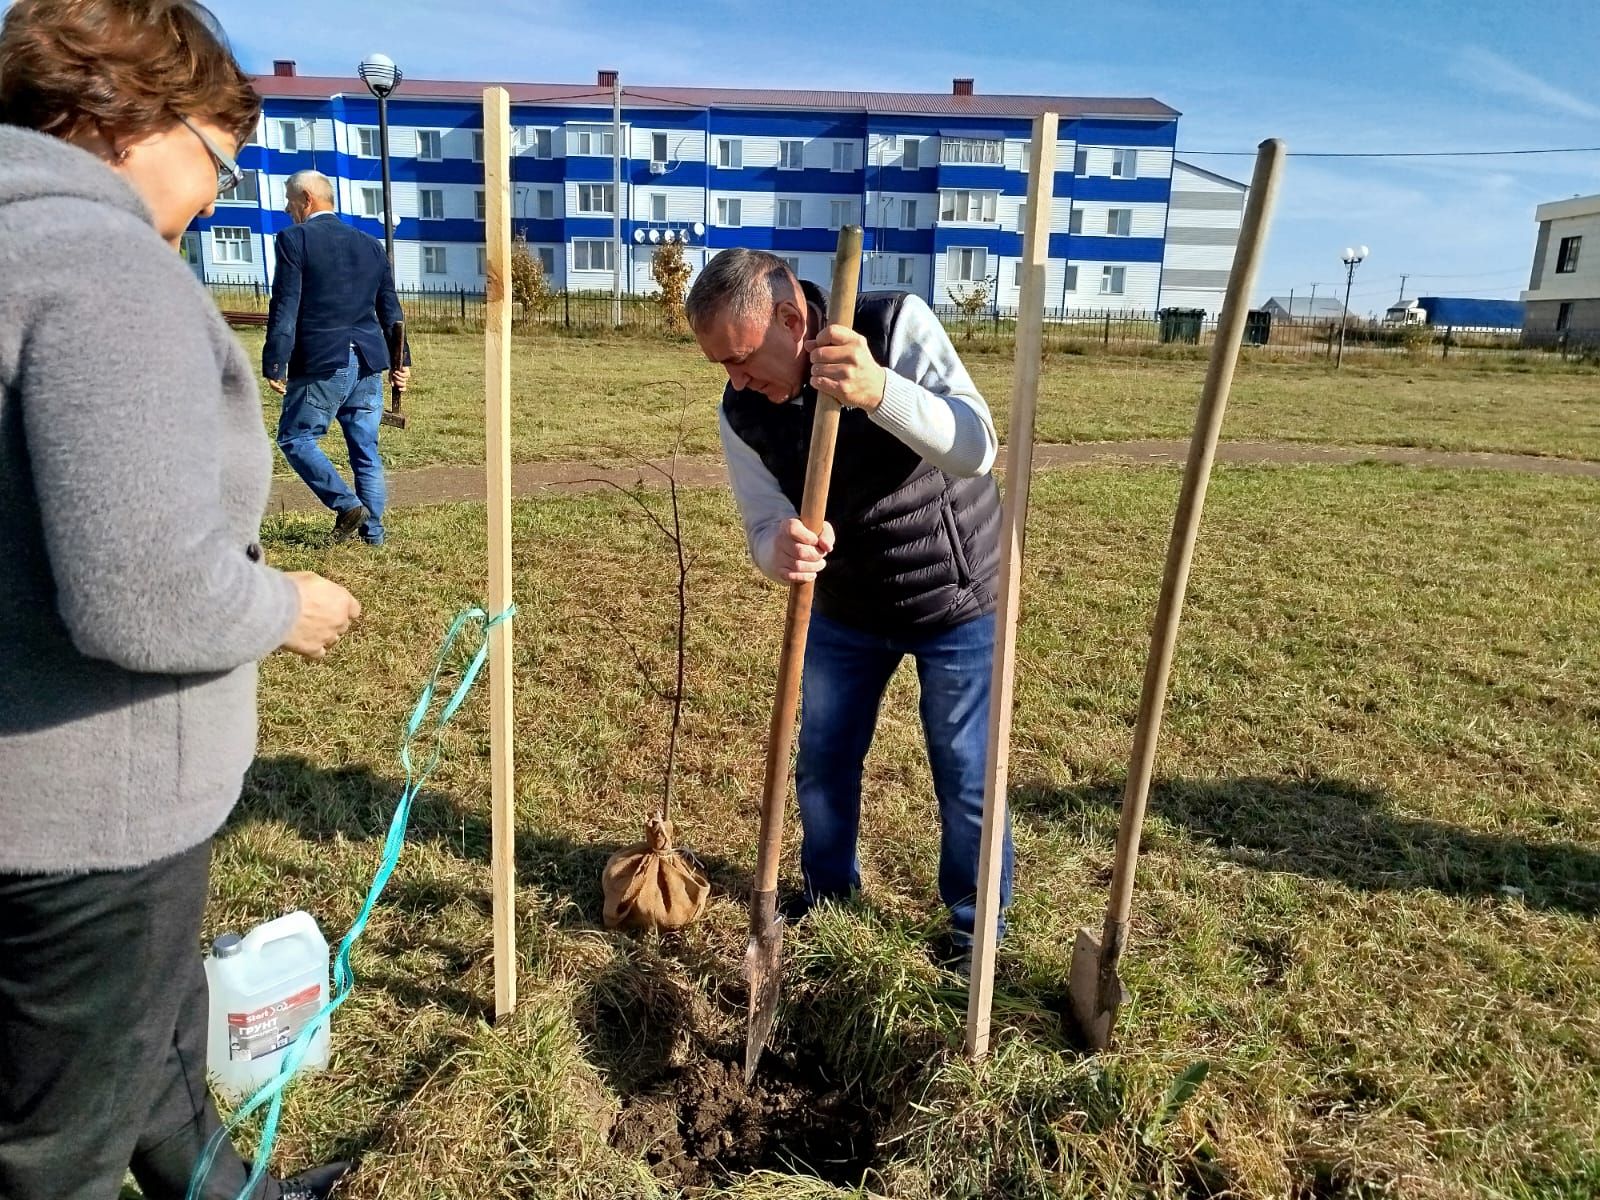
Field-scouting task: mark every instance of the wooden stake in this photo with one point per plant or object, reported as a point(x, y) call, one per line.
point(1014, 519)
point(497, 457)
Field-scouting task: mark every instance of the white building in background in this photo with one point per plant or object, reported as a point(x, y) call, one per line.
point(1563, 295)
point(938, 182)
point(1204, 215)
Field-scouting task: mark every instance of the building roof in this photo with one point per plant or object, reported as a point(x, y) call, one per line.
point(1198, 170)
point(942, 104)
point(1323, 306)
point(1577, 206)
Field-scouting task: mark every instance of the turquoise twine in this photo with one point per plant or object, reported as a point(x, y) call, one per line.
point(271, 1092)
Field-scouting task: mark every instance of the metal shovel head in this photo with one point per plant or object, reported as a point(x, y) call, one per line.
point(1094, 1006)
point(763, 970)
point(397, 420)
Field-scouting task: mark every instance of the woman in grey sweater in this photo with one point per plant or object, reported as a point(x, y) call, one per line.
point(134, 597)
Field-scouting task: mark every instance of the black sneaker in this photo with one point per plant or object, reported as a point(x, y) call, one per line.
point(350, 520)
point(315, 1184)
point(952, 953)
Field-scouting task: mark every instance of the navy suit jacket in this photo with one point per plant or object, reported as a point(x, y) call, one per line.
point(333, 289)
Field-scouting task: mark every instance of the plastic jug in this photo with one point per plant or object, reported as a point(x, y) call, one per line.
point(265, 988)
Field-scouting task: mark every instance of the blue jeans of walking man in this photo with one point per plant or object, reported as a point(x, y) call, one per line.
point(846, 672)
point(310, 406)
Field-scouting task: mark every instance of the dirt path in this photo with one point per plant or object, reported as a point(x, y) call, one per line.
point(449, 484)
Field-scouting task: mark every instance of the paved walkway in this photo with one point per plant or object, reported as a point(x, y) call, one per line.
point(449, 484)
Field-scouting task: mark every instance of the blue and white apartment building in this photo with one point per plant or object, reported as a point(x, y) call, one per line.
point(937, 181)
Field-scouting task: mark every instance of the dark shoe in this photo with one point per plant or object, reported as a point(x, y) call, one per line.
point(350, 520)
point(315, 1184)
point(953, 952)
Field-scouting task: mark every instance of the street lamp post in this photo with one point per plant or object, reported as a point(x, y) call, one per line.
point(1352, 259)
point(382, 77)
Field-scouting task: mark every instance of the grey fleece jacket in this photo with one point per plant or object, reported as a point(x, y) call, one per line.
point(134, 602)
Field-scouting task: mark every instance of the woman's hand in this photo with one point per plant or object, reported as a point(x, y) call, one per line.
point(326, 611)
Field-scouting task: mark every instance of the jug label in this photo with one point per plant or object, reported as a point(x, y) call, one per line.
point(268, 1029)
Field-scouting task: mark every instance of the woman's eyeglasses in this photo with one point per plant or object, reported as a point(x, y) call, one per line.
point(229, 175)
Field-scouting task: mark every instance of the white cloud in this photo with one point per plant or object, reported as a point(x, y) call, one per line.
point(1489, 72)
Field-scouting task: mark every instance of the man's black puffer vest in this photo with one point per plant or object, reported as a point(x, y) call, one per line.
point(915, 549)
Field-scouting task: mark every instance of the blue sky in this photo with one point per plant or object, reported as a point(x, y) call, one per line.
point(1353, 75)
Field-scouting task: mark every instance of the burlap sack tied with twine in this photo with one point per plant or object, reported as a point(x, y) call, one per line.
point(651, 885)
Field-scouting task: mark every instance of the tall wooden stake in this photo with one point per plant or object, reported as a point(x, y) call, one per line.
point(1014, 518)
point(497, 457)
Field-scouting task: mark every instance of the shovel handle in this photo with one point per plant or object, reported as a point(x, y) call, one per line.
point(797, 620)
point(397, 359)
point(1180, 549)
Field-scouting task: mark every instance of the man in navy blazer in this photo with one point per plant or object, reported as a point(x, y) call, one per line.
point(332, 302)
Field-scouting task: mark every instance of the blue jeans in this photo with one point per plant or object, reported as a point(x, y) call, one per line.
point(846, 672)
point(355, 400)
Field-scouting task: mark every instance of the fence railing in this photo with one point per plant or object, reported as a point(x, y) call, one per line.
point(1066, 330)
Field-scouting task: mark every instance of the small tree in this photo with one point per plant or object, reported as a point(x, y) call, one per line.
point(971, 302)
point(529, 287)
point(670, 270)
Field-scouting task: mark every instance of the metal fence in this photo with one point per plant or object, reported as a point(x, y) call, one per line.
point(1070, 331)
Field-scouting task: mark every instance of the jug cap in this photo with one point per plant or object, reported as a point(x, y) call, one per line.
point(227, 945)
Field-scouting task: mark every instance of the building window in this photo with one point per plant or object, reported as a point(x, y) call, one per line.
point(1072, 279)
point(430, 145)
point(906, 272)
point(658, 147)
point(1075, 222)
point(1563, 316)
point(959, 204)
point(788, 214)
point(433, 260)
point(1567, 256)
point(231, 244)
point(908, 214)
point(367, 143)
point(477, 146)
point(539, 141)
point(1119, 222)
point(658, 206)
point(841, 213)
point(1124, 164)
point(1016, 273)
point(1112, 280)
point(591, 254)
point(730, 212)
point(844, 156)
point(483, 260)
point(371, 202)
point(430, 204)
point(547, 260)
point(791, 154)
point(971, 150)
point(1080, 161)
point(288, 136)
point(911, 156)
point(966, 264)
point(546, 204)
point(591, 143)
point(730, 154)
point(248, 191)
point(792, 261)
point(1022, 217)
point(596, 198)
point(481, 201)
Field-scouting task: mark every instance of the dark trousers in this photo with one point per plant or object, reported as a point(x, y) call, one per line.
point(103, 1012)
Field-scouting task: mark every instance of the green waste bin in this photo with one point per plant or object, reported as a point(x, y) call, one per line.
point(1181, 324)
point(1257, 327)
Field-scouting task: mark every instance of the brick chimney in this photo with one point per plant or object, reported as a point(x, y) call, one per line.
point(608, 78)
point(961, 87)
point(283, 66)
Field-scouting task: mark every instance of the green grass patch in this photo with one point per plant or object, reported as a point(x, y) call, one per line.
point(607, 399)
point(1367, 900)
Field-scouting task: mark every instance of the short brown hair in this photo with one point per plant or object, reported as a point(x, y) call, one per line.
point(124, 67)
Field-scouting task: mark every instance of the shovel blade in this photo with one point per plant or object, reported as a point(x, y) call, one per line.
point(1094, 1002)
point(763, 970)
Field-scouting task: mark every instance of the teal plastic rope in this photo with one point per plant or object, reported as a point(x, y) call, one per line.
point(344, 980)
